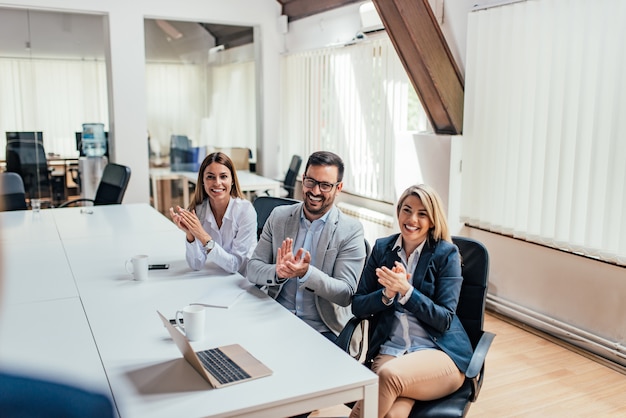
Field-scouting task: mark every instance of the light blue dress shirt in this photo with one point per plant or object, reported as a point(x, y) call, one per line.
point(408, 334)
point(294, 295)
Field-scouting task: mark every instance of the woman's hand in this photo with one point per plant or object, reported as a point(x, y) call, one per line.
point(188, 222)
point(395, 280)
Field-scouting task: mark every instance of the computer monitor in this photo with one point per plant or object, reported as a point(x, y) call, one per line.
point(181, 154)
point(16, 136)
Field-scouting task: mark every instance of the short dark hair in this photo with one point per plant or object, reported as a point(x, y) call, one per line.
point(326, 158)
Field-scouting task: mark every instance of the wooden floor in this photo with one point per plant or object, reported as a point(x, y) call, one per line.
point(528, 375)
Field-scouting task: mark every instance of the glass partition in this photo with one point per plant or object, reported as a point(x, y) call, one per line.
point(201, 90)
point(52, 80)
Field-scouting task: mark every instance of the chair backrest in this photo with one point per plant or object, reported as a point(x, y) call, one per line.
point(27, 157)
point(368, 250)
point(289, 183)
point(475, 271)
point(12, 194)
point(112, 185)
point(264, 206)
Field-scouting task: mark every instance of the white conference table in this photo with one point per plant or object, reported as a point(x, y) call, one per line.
point(126, 346)
point(249, 182)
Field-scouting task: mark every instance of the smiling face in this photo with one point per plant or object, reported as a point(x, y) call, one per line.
point(218, 181)
point(317, 202)
point(414, 222)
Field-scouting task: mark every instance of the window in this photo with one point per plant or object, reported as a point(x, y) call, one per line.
point(58, 82)
point(351, 100)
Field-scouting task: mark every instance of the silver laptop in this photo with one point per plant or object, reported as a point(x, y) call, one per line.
point(221, 366)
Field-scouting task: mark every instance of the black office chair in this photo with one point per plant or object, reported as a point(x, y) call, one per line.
point(264, 206)
point(471, 312)
point(27, 158)
point(289, 183)
point(111, 188)
point(12, 194)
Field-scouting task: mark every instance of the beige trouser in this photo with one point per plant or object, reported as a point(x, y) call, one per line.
point(422, 375)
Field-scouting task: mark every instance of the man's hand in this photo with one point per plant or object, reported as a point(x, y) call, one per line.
point(289, 265)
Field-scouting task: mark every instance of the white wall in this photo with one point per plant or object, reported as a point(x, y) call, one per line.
point(341, 25)
point(127, 86)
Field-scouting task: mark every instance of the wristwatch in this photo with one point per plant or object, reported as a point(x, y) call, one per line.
point(209, 246)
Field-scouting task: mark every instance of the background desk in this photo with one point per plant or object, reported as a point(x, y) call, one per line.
point(249, 182)
point(114, 338)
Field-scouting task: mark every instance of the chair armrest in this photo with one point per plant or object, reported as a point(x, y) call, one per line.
point(476, 369)
point(478, 358)
point(345, 337)
point(73, 202)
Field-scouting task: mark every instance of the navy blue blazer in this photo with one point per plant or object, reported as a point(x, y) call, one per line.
point(26, 397)
point(437, 284)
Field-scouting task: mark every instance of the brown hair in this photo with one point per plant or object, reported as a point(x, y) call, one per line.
point(216, 157)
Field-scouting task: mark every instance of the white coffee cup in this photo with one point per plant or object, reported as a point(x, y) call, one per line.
point(193, 321)
point(138, 267)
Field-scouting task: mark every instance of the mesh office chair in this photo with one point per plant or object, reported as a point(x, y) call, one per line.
point(111, 188)
point(264, 206)
point(471, 312)
point(27, 157)
point(12, 194)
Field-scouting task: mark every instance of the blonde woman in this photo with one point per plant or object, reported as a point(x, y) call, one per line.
point(220, 224)
point(410, 288)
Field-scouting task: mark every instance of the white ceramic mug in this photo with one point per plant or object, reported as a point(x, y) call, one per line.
point(193, 321)
point(138, 267)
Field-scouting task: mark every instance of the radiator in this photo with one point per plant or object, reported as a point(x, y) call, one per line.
point(375, 224)
point(611, 350)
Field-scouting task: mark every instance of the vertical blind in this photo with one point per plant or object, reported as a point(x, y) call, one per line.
point(351, 100)
point(55, 96)
point(212, 105)
point(544, 152)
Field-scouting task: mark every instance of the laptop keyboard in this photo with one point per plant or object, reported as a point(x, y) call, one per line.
point(221, 366)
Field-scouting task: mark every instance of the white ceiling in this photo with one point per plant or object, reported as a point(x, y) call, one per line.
point(71, 35)
point(50, 34)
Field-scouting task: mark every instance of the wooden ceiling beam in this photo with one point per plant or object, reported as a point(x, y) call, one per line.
point(297, 9)
point(422, 48)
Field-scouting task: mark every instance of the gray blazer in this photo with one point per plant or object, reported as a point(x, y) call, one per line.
point(339, 260)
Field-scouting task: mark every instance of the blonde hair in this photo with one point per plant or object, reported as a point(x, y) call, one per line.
point(434, 208)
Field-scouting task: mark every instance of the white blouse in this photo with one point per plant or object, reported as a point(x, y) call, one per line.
point(234, 241)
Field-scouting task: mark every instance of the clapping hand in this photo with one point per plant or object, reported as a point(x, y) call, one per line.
point(395, 279)
point(289, 265)
point(188, 222)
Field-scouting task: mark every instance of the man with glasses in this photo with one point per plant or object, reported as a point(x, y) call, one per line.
point(310, 255)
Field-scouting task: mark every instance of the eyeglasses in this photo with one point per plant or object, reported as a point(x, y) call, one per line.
point(325, 187)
